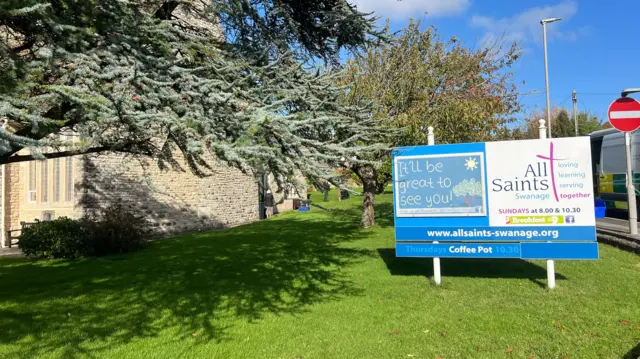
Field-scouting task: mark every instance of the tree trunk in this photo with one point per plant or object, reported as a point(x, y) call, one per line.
point(367, 175)
point(382, 183)
point(381, 187)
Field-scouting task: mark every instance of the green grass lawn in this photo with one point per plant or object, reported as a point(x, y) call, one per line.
point(314, 285)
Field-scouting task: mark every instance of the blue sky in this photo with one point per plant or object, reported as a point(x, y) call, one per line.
point(592, 50)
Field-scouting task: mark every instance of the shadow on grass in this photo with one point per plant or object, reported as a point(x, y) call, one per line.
point(384, 214)
point(198, 284)
point(466, 267)
point(633, 353)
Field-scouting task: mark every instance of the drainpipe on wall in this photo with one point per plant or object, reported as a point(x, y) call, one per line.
point(4, 206)
point(3, 189)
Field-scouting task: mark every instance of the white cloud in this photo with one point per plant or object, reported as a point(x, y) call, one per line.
point(403, 9)
point(526, 26)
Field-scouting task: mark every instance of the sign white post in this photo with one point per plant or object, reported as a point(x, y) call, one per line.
point(437, 274)
point(551, 266)
point(430, 136)
point(542, 130)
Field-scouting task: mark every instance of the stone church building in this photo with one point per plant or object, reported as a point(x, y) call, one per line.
point(173, 201)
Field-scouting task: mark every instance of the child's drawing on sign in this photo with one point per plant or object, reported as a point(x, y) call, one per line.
point(439, 185)
point(471, 164)
point(468, 190)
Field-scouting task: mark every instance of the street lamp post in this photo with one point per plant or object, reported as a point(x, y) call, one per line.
point(544, 23)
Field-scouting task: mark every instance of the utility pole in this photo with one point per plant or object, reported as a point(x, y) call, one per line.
point(544, 23)
point(574, 97)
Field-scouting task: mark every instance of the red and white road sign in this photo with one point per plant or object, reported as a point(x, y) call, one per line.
point(624, 114)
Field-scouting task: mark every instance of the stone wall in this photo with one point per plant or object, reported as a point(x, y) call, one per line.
point(175, 201)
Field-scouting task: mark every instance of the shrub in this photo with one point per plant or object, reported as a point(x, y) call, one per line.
point(111, 231)
point(116, 230)
point(60, 238)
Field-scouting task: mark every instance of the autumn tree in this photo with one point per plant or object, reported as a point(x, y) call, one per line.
point(419, 80)
point(159, 77)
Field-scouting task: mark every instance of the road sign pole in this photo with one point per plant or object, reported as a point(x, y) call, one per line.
point(631, 190)
point(551, 265)
point(624, 115)
point(437, 274)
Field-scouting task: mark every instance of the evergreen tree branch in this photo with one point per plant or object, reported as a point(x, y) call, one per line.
point(116, 74)
point(68, 153)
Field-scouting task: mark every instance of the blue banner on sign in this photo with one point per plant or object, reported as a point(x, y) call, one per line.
point(575, 250)
point(440, 185)
point(588, 250)
point(457, 234)
point(458, 250)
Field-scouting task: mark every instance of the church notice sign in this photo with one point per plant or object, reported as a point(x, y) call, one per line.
point(529, 199)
